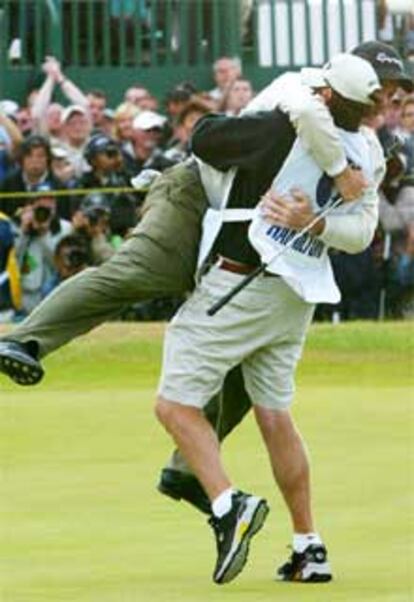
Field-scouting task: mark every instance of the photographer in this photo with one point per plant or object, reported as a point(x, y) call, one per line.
point(72, 255)
point(106, 160)
point(91, 222)
point(40, 230)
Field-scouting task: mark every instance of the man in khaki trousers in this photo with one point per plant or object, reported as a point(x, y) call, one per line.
point(158, 259)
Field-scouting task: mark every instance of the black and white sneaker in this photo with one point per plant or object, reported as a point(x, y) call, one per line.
point(310, 566)
point(233, 533)
point(17, 363)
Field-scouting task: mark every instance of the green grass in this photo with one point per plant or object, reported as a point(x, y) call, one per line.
point(81, 520)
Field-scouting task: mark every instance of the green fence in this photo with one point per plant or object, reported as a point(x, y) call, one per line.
point(112, 43)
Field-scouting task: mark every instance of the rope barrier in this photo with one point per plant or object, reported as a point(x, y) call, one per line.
point(65, 192)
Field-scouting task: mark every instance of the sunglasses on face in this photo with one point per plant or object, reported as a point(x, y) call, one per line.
point(111, 153)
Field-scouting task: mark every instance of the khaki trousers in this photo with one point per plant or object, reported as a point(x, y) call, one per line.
point(159, 259)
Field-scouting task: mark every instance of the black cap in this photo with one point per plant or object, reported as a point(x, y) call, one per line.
point(386, 61)
point(95, 202)
point(99, 143)
point(181, 93)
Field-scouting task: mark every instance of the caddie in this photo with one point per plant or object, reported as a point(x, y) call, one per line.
point(265, 325)
point(390, 70)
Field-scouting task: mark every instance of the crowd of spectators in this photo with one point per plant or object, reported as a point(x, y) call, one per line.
point(49, 236)
point(58, 152)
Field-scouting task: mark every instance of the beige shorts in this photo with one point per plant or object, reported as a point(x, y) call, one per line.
point(263, 328)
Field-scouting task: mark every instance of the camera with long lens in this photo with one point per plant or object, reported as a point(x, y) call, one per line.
point(94, 214)
point(95, 206)
point(75, 257)
point(42, 214)
point(112, 152)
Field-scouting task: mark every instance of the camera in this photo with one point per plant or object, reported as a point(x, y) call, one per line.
point(42, 214)
point(75, 257)
point(112, 152)
point(94, 214)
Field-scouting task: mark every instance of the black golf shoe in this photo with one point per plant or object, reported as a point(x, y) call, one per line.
point(183, 486)
point(18, 364)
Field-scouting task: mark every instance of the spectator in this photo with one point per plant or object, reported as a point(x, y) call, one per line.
point(97, 105)
point(9, 108)
point(147, 134)
point(76, 130)
point(192, 112)
point(47, 115)
point(123, 130)
point(10, 290)
point(8, 127)
point(397, 207)
point(225, 70)
point(72, 255)
point(107, 170)
point(34, 169)
point(359, 278)
point(31, 98)
point(108, 122)
point(24, 121)
point(62, 168)
point(40, 229)
point(392, 115)
point(177, 99)
point(52, 122)
point(404, 275)
point(91, 222)
point(406, 133)
point(10, 141)
point(140, 97)
point(237, 96)
point(409, 40)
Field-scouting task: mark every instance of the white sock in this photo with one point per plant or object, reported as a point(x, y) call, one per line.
point(302, 540)
point(222, 503)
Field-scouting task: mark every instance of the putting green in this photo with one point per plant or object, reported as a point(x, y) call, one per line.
point(81, 520)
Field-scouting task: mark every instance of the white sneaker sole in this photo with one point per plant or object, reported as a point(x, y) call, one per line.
point(313, 572)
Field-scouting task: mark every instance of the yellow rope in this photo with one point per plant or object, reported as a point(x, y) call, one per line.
point(64, 192)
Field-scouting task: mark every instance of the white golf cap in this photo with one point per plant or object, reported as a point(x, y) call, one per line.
point(9, 107)
point(147, 120)
point(352, 77)
point(71, 110)
point(59, 152)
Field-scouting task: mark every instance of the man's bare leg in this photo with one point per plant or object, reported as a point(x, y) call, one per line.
point(197, 442)
point(237, 516)
point(290, 465)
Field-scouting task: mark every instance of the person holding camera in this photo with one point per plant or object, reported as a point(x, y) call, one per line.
point(72, 255)
point(92, 223)
point(39, 231)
